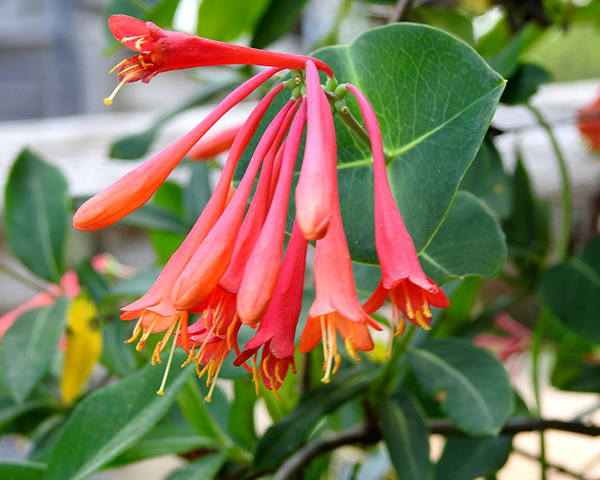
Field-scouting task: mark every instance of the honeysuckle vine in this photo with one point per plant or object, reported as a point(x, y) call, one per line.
point(229, 270)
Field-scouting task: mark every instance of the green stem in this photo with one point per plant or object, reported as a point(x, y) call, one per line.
point(356, 128)
point(385, 383)
point(20, 278)
point(351, 122)
point(567, 207)
point(536, 349)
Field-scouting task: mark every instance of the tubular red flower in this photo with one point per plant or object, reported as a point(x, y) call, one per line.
point(214, 334)
point(137, 186)
point(277, 328)
point(262, 269)
point(317, 186)
point(208, 263)
point(209, 147)
point(257, 212)
point(336, 305)
point(162, 51)
point(157, 302)
point(409, 289)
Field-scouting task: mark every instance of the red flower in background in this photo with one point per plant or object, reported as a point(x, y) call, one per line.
point(588, 122)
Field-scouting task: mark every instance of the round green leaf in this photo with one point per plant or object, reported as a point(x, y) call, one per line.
point(36, 215)
point(469, 242)
point(471, 384)
point(434, 97)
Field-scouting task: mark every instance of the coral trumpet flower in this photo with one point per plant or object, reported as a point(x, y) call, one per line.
point(262, 269)
point(210, 261)
point(137, 186)
point(410, 291)
point(336, 305)
point(162, 51)
point(317, 186)
point(209, 147)
point(278, 326)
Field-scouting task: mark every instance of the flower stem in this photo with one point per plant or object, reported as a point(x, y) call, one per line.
point(567, 207)
point(536, 348)
point(386, 379)
point(351, 122)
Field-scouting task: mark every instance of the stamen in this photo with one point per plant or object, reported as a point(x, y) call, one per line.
point(136, 331)
point(160, 345)
point(189, 358)
point(278, 372)
point(350, 348)
point(139, 40)
point(324, 337)
point(161, 390)
point(118, 65)
point(409, 310)
point(255, 374)
point(421, 321)
point(146, 334)
point(108, 100)
point(331, 352)
point(156, 353)
point(338, 360)
point(425, 305)
point(208, 398)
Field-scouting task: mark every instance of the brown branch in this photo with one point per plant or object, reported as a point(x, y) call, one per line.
point(361, 433)
point(370, 434)
point(522, 424)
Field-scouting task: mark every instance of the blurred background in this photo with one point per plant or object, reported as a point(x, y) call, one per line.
point(55, 56)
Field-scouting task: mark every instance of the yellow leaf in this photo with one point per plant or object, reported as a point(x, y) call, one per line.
point(84, 346)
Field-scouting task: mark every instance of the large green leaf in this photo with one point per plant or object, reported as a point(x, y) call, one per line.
point(433, 117)
point(471, 384)
point(406, 436)
point(111, 419)
point(35, 217)
point(469, 242)
point(10, 470)
point(29, 345)
point(285, 436)
point(466, 458)
point(225, 20)
point(572, 291)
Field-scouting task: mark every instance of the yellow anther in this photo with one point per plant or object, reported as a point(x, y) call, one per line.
point(278, 372)
point(136, 331)
point(156, 353)
point(350, 348)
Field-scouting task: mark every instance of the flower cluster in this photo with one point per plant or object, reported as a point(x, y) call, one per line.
point(229, 269)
